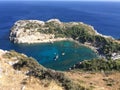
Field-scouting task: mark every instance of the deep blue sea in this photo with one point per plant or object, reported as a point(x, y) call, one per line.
point(104, 16)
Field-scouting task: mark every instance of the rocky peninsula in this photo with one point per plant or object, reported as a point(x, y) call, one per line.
point(35, 31)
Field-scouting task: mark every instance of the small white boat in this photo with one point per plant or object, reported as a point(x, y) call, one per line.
point(63, 53)
point(56, 57)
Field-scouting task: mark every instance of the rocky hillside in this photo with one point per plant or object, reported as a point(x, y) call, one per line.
point(13, 79)
point(34, 31)
point(17, 71)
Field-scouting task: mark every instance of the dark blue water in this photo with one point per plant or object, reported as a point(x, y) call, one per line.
point(104, 16)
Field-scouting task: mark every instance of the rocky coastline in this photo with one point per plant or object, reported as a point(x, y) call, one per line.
point(20, 33)
point(35, 31)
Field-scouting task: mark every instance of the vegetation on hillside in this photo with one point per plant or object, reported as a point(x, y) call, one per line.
point(98, 65)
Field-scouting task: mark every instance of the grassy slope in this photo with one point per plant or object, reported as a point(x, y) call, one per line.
point(96, 80)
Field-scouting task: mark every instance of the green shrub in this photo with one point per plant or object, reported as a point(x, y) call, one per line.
point(99, 65)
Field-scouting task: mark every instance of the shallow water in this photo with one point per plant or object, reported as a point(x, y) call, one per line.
point(59, 55)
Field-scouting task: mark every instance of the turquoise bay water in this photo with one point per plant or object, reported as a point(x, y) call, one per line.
point(59, 55)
